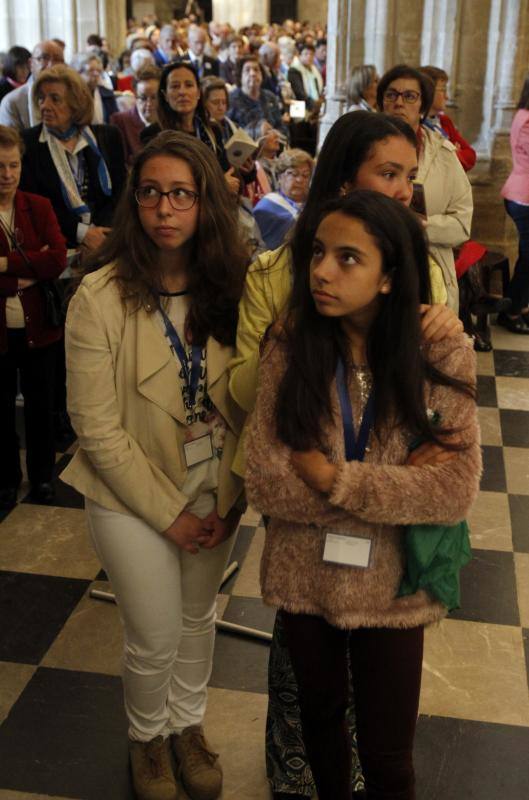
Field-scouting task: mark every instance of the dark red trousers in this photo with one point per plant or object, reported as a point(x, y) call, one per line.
point(386, 667)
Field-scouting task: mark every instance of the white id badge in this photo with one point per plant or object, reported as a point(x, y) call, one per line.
point(198, 450)
point(351, 551)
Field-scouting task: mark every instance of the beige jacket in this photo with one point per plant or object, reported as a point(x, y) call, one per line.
point(126, 407)
point(374, 498)
point(449, 205)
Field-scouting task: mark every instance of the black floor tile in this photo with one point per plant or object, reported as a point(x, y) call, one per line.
point(65, 496)
point(4, 513)
point(241, 662)
point(250, 611)
point(33, 609)
point(466, 760)
point(511, 364)
point(239, 552)
point(514, 427)
point(67, 736)
point(493, 478)
point(488, 589)
point(519, 507)
point(101, 576)
point(487, 391)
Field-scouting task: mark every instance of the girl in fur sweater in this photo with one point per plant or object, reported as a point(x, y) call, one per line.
point(351, 360)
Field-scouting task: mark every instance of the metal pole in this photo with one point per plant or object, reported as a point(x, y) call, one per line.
point(222, 625)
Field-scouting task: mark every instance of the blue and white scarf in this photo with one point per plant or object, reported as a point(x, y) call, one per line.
point(69, 187)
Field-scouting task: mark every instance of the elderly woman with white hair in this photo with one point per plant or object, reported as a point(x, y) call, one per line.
point(90, 68)
point(277, 212)
point(362, 88)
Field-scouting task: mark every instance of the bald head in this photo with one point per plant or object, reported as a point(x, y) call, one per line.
point(46, 54)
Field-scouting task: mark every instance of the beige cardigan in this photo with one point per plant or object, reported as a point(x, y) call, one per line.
point(126, 407)
point(449, 204)
point(374, 498)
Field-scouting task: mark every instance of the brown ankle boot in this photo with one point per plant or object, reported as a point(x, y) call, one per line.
point(152, 772)
point(198, 766)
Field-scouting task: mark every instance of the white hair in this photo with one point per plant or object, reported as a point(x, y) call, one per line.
point(140, 58)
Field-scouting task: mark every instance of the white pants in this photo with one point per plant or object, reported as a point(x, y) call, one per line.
point(166, 599)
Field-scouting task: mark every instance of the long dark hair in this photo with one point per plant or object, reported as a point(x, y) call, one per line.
point(217, 258)
point(314, 342)
point(523, 102)
point(347, 146)
point(167, 117)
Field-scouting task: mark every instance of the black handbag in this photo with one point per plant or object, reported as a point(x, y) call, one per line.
point(54, 305)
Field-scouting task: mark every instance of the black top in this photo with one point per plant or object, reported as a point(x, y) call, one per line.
point(40, 177)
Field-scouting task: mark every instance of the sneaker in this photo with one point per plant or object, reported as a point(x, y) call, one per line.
point(198, 766)
point(152, 773)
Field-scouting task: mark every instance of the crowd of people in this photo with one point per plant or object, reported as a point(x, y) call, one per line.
point(247, 318)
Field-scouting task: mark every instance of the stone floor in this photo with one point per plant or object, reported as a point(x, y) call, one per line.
point(63, 730)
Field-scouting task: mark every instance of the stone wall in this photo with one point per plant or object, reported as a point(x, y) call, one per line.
point(313, 10)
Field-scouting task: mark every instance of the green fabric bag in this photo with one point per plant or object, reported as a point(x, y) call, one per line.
point(434, 557)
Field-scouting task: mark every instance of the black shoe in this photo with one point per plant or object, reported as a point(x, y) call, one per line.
point(491, 305)
point(8, 498)
point(514, 325)
point(42, 493)
point(481, 345)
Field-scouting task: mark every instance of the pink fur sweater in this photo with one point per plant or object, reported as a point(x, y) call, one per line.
point(375, 498)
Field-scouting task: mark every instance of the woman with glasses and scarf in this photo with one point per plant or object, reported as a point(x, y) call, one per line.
point(32, 250)
point(407, 93)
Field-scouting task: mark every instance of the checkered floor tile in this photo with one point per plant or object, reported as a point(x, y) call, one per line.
point(62, 725)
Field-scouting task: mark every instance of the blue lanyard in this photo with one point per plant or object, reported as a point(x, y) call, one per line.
point(191, 377)
point(355, 448)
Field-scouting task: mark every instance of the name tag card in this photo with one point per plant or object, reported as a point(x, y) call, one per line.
point(297, 109)
point(350, 551)
point(198, 450)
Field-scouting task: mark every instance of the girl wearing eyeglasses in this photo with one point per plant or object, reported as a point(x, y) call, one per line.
point(149, 335)
point(406, 93)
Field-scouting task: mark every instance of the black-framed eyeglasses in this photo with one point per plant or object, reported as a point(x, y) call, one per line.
point(409, 96)
point(180, 199)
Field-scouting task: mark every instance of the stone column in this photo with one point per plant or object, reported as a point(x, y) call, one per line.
point(339, 34)
point(241, 12)
point(507, 58)
point(113, 23)
point(71, 20)
point(20, 23)
point(439, 34)
point(379, 17)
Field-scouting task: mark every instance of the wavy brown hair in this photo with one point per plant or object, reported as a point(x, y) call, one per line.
point(78, 95)
point(217, 256)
